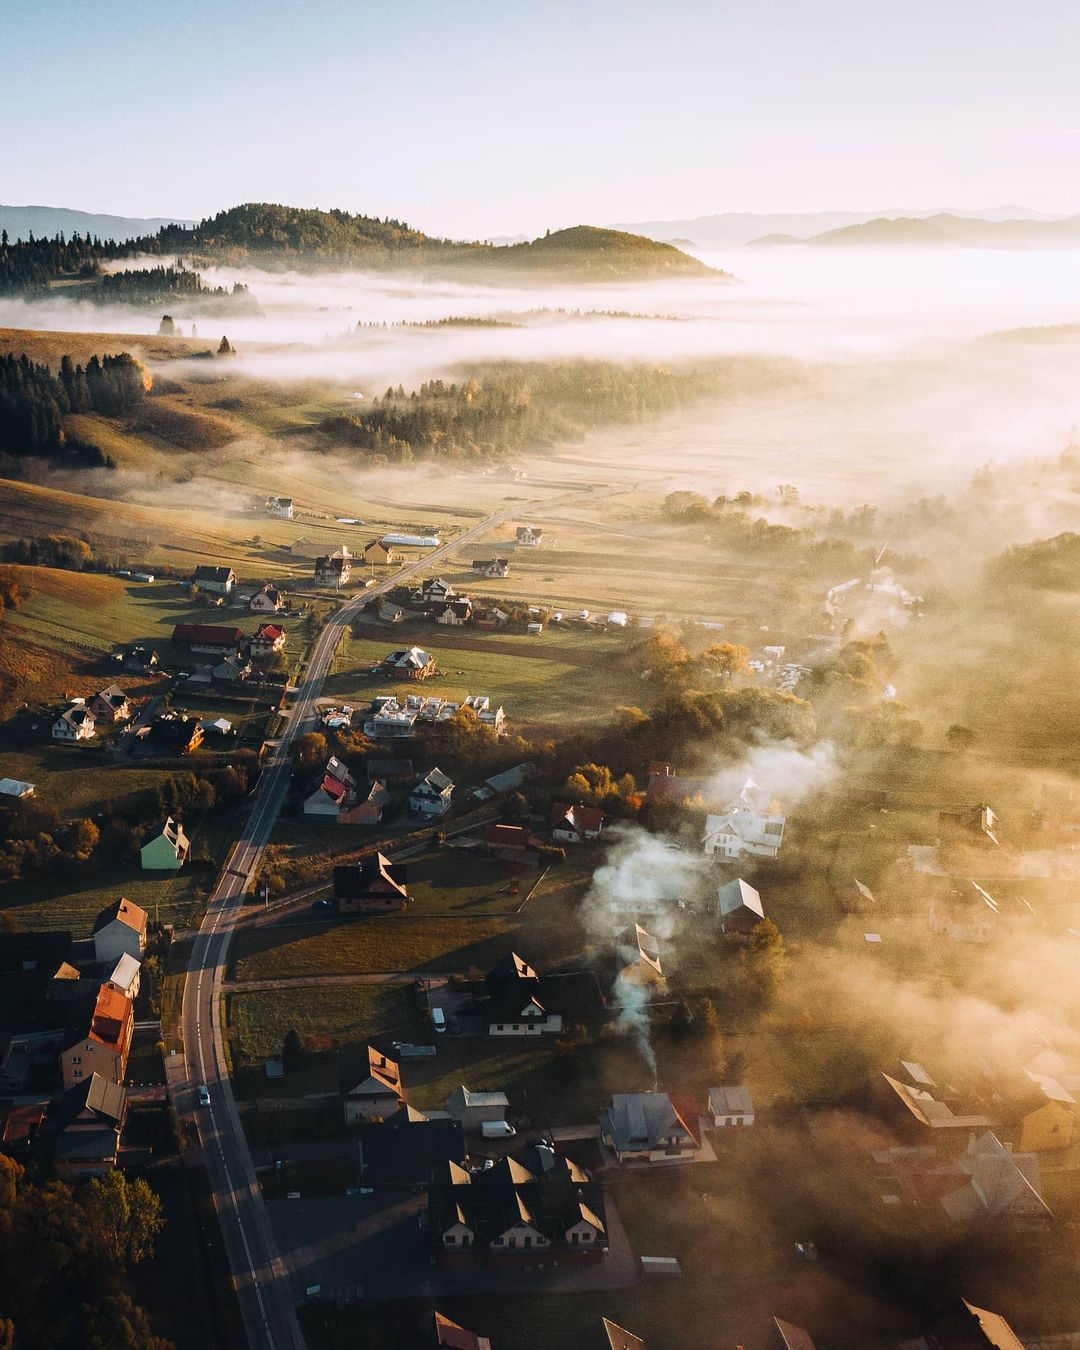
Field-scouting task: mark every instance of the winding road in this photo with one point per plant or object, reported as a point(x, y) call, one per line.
point(267, 1301)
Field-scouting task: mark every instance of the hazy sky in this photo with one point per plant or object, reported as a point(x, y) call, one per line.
point(478, 117)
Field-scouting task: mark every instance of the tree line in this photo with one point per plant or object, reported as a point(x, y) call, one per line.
point(506, 408)
point(34, 402)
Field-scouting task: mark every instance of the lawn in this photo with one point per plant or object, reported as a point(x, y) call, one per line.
point(325, 1018)
point(167, 897)
point(74, 782)
point(369, 946)
point(559, 677)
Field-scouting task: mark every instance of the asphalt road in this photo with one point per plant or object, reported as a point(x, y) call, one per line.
point(263, 1282)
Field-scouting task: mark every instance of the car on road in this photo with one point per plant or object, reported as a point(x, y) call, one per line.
point(204, 1095)
point(322, 904)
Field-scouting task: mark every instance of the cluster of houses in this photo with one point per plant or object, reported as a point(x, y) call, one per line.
point(972, 1152)
point(390, 718)
point(341, 799)
point(110, 707)
point(231, 652)
point(69, 1021)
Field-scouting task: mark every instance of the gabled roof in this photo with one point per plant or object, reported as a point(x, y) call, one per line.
point(126, 971)
point(791, 1336)
point(269, 632)
point(638, 1121)
point(993, 1326)
point(376, 875)
point(381, 1071)
point(456, 1337)
point(583, 819)
point(107, 1100)
point(76, 717)
point(126, 911)
point(999, 1181)
point(730, 1101)
point(113, 695)
point(616, 1337)
point(436, 780)
point(219, 574)
point(206, 634)
point(737, 895)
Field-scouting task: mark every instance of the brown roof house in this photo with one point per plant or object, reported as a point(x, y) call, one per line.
point(456, 1337)
point(371, 1087)
point(575, 824)
point(99, 1039)
point(120, 929)
point(111, 705)
point(92, 1115)
point(373, 886)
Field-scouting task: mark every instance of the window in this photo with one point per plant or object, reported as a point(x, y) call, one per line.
point(774, 829)
point(449, 1239)
point(573, 1239)
point(76, 1059)
point(76, 1073)
point(513, 1241)
point(528, 1242)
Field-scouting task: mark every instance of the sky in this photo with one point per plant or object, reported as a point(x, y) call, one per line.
point(478, 118)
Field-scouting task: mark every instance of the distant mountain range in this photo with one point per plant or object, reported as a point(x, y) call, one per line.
point(44, 222)
point(945, 230)
point(732, 229)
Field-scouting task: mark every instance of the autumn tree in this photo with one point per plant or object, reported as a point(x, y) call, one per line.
point(764, 962)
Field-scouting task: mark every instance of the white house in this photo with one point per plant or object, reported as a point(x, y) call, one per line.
point(336, 792)
point(431, 796)
point(126, 976)
point(15, 787)
point(217, 580)
point(268, 599)
point(528, 536)
point(575, 824)
point(650, 1127)
point(472, 1109)
point(281, 507)
point(730, 1107)
point(967, 915)
point(75, 724)
point(744, 829)
point(111, 705)
point(372, 1089)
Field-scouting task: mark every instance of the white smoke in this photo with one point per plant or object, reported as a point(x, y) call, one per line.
point(781, 771)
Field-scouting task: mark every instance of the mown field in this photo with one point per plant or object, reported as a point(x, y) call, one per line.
point(562, 678)
point(75, 903)
point(257, 1022)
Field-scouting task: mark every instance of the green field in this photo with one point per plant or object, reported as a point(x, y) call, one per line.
point(75, 904)
point(257, 1022)
point(70, 781)
point(562, 677)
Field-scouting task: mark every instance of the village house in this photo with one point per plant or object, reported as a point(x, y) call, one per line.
point(543, 1205)
point(411, 540)
point(125, 977)
point(998, 1184)
point(280, 507)
point(979, 823)
point(513, 1006)
point(475, 1109)
point(267, 599)
point(91, 1120)
point(1039, 1113)
point(216, 580)
point(575, 824)
point(232, 670)
point(140, 659)
point(740, 907)
point(490, 618)
point(390, 613)
point(637, 965)
point(74, 724)
point(409, 663)
point(745, 829)
point(166, 848)
point(855, 898)
point(528, 536)
point(269, 637)
point(789, 1337)
point(99, 1039)
point(512, 843)
point(176, 733)
point(212, 639)
point(430, 798)
point(492, 568)
point(336, 792)
point(371, 1087)
point(964, 914)
point(435, 590)
point(920, 1111)
point(456, 1337)
point(333, 569)
point(16, 789)
point(111, 705)
point(486, 715)
point(369, 809)
point(372, 886)
point(379, 554)
point(406, 1149)
point(651, 1127)
point(730, 1107)
point(456, 614)
point(392, 772)
point(120, 929)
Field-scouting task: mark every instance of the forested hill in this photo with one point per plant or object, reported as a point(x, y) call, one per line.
point(267, 233)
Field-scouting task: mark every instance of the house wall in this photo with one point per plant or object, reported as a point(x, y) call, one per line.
point(533, 1027)
point(90, 1057)
point(582, 1234)
point(731, 1122)
point(115, 940)
point(371, 904)
point(1049, 1127)
point(521, 1237)
point(374, 1107)
point(429, 806)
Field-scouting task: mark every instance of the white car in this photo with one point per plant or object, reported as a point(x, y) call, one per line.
point(204, 1096)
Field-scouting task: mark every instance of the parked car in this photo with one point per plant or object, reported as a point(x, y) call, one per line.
point(204, 1095)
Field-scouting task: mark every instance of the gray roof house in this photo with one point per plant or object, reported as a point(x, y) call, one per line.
point(740, 907)
point(650, 1127)
point(730, 1106)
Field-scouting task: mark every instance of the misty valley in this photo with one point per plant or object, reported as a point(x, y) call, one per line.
point(539, 785)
